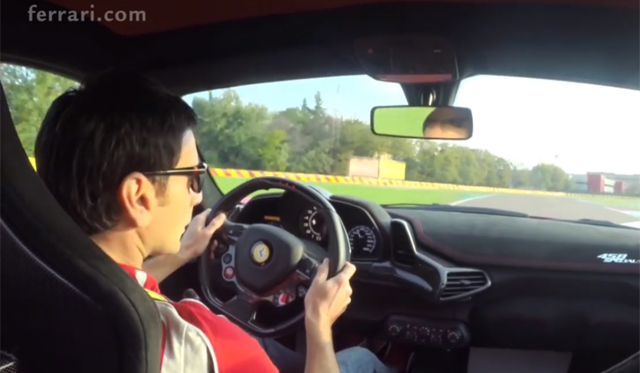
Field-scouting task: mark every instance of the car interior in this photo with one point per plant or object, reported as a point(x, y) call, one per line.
point(439, 291)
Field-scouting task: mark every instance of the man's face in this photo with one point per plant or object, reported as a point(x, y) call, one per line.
point(160, 215)
point(442, 124)
point(440, 130)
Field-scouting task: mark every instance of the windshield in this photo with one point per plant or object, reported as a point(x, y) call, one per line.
point(544, 148)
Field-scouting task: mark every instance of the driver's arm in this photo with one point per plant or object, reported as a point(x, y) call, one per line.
point(192, 244)
point(321, 356)
point(325, 301)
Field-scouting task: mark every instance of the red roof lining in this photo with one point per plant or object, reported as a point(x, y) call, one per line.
point(167, 15)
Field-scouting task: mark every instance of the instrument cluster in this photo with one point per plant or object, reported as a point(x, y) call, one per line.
point(362, 231)
point(303, 219)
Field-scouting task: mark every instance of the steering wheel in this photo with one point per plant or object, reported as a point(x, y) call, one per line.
point(267, 263)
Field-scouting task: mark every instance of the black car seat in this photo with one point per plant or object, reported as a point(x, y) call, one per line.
point(8, 363)
point(66, 306)
point(629, 365)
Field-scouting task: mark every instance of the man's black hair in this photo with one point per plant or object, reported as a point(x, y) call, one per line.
point(433, 118)
point(94, 136)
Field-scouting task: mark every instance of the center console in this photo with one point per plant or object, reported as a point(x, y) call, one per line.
point(433, 333)
point(443, 346)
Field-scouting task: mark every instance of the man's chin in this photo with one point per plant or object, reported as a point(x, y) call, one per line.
point(167, 251)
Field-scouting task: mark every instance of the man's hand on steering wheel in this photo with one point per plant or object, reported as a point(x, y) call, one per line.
point(327, 299)
point(197, 236)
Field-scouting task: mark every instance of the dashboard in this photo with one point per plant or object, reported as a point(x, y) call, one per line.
point(449, 279)
point(298, 216)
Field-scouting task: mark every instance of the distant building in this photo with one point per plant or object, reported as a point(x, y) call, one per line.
point(627, 179)
point(606, 182)
point(379, 167)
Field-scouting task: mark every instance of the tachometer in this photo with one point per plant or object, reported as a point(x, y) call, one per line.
point(313, 224)
point(362, 239)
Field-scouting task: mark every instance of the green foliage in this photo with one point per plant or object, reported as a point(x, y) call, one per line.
point(235, 134)
point(633, 190)
point(29, 94)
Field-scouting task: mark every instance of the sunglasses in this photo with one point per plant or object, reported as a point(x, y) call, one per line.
point(196, 175)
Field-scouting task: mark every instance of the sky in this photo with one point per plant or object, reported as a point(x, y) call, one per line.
point(580, 127)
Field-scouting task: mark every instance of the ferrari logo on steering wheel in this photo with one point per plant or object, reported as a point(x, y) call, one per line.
point(260, 253)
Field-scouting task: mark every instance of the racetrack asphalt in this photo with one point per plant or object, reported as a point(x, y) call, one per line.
point(555, 207)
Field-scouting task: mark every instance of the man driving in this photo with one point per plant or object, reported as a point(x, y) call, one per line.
point(98, 150)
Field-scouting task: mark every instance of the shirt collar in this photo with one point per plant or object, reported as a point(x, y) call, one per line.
point(143, 278)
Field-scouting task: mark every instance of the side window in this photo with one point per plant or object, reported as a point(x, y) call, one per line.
point(29, 93)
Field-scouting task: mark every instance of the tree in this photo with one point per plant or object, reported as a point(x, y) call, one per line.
point(274, 151)
point(633, 189)
point(235, 134)
point(521, 178)
point(29, 94)
point(549, 177)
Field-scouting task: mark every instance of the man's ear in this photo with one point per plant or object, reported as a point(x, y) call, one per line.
point(137, 196)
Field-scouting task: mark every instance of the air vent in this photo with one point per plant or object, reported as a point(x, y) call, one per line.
point(460, 284)
point(403, 251)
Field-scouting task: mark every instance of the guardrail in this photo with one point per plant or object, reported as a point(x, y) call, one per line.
point(319, 178)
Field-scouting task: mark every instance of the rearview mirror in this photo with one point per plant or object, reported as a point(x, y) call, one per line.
point(422, 122)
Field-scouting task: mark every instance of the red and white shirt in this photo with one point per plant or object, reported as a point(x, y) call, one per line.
point(195, 340)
